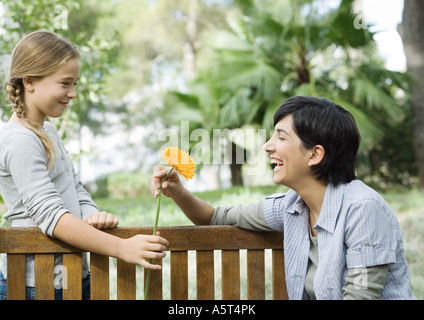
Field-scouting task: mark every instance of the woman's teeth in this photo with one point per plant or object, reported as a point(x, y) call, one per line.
point(276, 164)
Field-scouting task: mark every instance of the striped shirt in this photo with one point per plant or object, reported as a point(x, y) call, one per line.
point(356, 229)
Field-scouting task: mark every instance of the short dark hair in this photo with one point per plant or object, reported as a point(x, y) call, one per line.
point(319, 121)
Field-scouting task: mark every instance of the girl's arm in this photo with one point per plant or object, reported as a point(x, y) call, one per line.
point(198, 211)
point(137, 249)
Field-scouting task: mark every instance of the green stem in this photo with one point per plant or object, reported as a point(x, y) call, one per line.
point(155, 228)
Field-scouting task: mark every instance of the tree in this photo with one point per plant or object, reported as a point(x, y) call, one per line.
point(275, 49)
point(82, 23)
point(413, 42)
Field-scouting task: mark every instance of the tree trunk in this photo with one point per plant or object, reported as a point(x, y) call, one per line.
point(235, 166)
point(189, 46)
point(411, 31)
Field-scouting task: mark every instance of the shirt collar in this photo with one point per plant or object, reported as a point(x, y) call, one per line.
point(331, 207)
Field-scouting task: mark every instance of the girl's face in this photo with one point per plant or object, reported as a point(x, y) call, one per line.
point(287, 153)
point(50, 95)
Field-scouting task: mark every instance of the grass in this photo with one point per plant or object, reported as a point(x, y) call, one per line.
point(408, 206)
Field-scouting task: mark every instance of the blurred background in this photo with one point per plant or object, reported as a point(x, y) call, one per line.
point(155, 66)
point(147, 66)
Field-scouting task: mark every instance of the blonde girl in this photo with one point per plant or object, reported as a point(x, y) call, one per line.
point(37, 179)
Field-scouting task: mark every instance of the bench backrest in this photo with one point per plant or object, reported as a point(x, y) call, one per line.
point(204, 240)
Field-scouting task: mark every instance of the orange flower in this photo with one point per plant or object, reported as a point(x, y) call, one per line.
point(184, 164)
point(180, 160)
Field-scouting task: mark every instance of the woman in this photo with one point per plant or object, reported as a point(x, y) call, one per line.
point(341, 240)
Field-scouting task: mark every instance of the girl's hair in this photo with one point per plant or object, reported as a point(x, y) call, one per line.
point(37, 55)
point(322, 122)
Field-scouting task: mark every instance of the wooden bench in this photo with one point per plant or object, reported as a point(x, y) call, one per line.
point(204, 240)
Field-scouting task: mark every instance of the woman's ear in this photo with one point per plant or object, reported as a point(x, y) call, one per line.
point(28, 84)
point(317, 154)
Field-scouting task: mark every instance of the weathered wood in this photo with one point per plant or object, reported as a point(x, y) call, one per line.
point(71, 276)
point(205, 281)
point(17, 242)
point(16, 275)
point(126, 284)
point(155, 289)
point(255, 274)
point(230, 275)
point(279, 289)
point(99, 267)
point(44, 276)
point(179, 275)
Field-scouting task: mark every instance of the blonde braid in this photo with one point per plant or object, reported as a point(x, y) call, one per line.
point(15, 92)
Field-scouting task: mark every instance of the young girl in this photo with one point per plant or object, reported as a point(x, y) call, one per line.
point(37, 178)
point(341, 240)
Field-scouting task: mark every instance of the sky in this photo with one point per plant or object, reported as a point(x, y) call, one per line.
point(385, 15)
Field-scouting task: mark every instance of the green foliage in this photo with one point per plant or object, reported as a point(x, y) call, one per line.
point(271, 50)
point(128, 184)
point(81, 22)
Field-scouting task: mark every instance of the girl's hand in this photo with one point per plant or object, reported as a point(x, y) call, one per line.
point(102, 220)
point(171, 187)
point(141, 248)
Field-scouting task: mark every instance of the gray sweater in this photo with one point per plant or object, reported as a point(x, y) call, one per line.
point(33, 195)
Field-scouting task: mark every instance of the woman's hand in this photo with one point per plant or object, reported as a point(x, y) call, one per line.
point(102, 220)
point(198, 211)
point(171, 187)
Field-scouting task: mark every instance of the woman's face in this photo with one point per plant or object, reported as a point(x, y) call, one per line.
point(288, 155)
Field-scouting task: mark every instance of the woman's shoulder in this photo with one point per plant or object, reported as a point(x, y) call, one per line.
point(357, 190)
point(359, 194)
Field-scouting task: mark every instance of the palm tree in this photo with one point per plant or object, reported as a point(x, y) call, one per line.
point(275, 49)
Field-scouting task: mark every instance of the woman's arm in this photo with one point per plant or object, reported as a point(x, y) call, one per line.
point(365, 283)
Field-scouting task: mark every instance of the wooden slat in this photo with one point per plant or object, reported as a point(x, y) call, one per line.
point(205, 237)
point(31, 240)
point(99, 266)
point(126, 284)
point(44, 276)
point(155, 288)
point(16, 276)
point(179, 275)
point(279, 289)
point(230, 275)
point(205, 275)
point(72, 276)
point(202, 239)
point(255, 274)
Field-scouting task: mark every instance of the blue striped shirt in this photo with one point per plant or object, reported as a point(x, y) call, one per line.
point(356, 228)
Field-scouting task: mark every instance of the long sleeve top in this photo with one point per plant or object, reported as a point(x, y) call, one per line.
point(357, 254)
point(34, 195)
